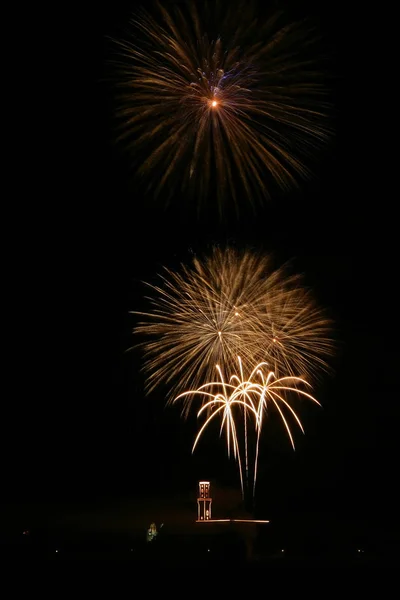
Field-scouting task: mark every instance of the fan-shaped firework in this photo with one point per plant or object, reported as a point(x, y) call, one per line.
point(243, 395)
point(228, 304)
point(222, 100)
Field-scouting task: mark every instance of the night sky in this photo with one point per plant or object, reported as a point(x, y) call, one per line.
point(81, 425)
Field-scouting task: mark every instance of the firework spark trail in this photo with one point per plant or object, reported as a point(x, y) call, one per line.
point(271, 391)
point(228, 304)
point(214, 99)
point(251, 396)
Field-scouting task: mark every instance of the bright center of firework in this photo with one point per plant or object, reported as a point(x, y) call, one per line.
point(214, 103)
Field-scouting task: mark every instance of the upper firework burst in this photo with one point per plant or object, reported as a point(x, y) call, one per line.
point(219, 104)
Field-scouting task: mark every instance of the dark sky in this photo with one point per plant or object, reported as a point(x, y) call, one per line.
point(80, 422)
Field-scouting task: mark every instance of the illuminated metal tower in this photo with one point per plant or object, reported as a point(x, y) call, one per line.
point(204, 502)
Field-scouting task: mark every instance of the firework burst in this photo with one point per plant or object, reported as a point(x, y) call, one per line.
point(240, 397)
point(230, 304)
point(220, 100)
